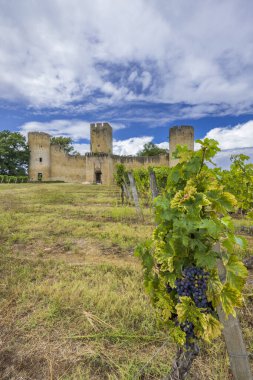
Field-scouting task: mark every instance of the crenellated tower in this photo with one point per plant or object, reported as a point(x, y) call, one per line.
point(101, 138)
point(180, 135)
point(40, 158)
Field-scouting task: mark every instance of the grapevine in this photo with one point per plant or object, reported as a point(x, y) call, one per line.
point(180, 262)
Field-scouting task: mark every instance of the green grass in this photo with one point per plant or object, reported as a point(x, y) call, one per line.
point(72, 299)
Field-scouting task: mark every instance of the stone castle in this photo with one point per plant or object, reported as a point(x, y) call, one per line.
point(49, 162)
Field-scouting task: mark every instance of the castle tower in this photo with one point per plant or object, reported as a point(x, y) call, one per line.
point(180, 135)
point(39, 162)
point(101, 138)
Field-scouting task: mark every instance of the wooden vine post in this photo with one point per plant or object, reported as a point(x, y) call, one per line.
point(135, 195)
point(153, 184)
point(127, 192)
point(239, 360)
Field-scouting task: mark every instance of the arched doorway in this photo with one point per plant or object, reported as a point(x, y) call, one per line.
point(98, 176)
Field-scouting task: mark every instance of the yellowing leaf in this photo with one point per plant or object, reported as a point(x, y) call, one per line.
point(230, 298)
point(177, 334)
point(187, 310)
point(165, 306)
point(214, 289)
point(213, 328)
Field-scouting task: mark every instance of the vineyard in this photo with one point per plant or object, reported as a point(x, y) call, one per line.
point(73, 300)
point(13, 179)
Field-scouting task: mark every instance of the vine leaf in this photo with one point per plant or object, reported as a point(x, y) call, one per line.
point(236, 272)
point(206, 259)
point(214, 289)
point(187, 310)
point(213, 328)
point(230, 298)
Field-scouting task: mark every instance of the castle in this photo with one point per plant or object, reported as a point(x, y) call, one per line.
point(49, 162)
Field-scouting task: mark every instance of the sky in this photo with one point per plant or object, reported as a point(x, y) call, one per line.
point(141, 65)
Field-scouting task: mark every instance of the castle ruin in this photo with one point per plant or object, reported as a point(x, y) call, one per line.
point(49, 162)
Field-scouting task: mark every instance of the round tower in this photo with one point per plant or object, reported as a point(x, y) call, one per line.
point(180, 135)
point(39, 162)
point(101, 138)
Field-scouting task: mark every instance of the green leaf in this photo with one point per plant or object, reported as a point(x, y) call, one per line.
point(228, 243)
point(236, 272)
point(228, 201)
point(241, 241)
point(144, 252)
point(206, 260)
point(210, 225)
point(227, 221)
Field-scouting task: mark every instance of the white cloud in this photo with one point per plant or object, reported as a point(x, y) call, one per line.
point(189, 51)
point(130, 146)
point(239, 136)
point(222, 159)
point(82, 148)
point(163, 145)
point(76, 129)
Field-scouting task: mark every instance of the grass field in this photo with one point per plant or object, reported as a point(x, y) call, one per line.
point(72, 303)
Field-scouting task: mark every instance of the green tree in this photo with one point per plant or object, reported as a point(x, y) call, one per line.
point(65, 143)
point(150, 149)
point(14, 153)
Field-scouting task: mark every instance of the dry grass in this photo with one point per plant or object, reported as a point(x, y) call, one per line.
point(72, 301)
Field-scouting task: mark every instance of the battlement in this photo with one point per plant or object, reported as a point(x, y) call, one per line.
point(92, 154)
point(38, 137)
point(100, 125)
point(101, 138)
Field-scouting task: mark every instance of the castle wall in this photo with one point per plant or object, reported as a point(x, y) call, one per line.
point(132, 162)
point(65, 167)
point(53, 163)
point(99, 163)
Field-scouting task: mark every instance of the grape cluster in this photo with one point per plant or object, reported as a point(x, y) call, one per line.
point(193, 284)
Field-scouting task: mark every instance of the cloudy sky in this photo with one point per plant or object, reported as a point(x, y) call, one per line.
point(141, 65)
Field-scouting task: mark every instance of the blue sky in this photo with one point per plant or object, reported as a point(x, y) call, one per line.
point(141, 65)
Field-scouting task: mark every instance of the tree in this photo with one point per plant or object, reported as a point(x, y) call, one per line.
point(150, 149)
point(14, 153)
point(65, 143)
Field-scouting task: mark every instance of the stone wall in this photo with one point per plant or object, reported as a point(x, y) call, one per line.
point(65, 167)
point(52, 163)
point(132, 162)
